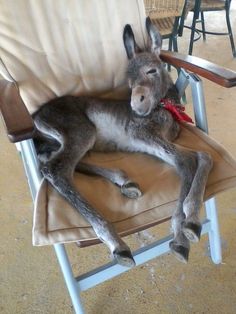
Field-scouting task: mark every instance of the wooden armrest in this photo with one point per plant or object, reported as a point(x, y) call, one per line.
point(209, 70)
point(18, 122)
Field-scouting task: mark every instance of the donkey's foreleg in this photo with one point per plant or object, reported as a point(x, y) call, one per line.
point(116, 176)
point(76, 135)
point(193, 201)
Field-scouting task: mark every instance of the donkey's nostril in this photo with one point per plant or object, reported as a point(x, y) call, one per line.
point(142, 98)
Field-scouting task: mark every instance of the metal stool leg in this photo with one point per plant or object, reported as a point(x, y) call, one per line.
point(71, 283)
point(203, 26)
point(230, 33)
point(214, 234)
point(193, 27)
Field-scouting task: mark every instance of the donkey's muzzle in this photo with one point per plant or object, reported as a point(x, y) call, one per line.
point(141, 102)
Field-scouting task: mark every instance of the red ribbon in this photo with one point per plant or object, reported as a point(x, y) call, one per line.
point(177, 111)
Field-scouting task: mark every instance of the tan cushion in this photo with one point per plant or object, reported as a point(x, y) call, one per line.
point(56, 221)
point(51, 48)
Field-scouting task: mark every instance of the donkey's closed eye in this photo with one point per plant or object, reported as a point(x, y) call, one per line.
point(152, 71)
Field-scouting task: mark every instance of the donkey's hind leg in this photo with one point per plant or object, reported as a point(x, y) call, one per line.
point(116, 176)
point(62, 181)
point(59, 171)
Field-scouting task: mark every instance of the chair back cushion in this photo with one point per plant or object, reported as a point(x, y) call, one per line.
point(52, 48)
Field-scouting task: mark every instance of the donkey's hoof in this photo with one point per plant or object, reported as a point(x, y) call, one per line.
point(180, 252)
point(192, 231)
point(124, 258)
point(131, 190)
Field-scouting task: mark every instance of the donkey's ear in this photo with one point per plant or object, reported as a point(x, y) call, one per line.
point(129, 41)
point(155, 36)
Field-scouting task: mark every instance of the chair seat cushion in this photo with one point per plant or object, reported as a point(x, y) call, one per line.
point(55, 221)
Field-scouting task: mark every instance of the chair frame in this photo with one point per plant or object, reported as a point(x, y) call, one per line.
point(197, 11)
point(16, 133)
point(173, 37)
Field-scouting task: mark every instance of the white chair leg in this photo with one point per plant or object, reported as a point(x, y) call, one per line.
point(71, 283)
point(214, 233)
point(210, 205)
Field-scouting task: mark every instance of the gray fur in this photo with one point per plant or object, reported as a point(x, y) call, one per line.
point(71, 126)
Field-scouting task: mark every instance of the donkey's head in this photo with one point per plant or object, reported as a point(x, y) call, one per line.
point(147, 76)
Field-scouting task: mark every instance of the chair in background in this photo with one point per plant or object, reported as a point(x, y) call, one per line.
point(198, 8)
point(37, 68)
point(166, 15)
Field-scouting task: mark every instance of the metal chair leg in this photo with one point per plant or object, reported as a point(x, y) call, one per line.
point(193, 27)
point(230, 32)
point(214, 234)
point(175, 44)
point(71, 283)
point(203, 26)
point(210, 205)
point(170, 49)
point(175, 34)
point(190, 50)
point(181, 22)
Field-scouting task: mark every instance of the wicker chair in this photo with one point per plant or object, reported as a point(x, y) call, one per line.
point(166, 15)
point(198, 8)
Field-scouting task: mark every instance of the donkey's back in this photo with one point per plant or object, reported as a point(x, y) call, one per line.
point(113, 121)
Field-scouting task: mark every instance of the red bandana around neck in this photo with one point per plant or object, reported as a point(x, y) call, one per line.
point(177, 111)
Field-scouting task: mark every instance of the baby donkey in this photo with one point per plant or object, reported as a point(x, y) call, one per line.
point(71, 126)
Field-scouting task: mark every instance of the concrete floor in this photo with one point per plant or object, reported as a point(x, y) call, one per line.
point(30, 279)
